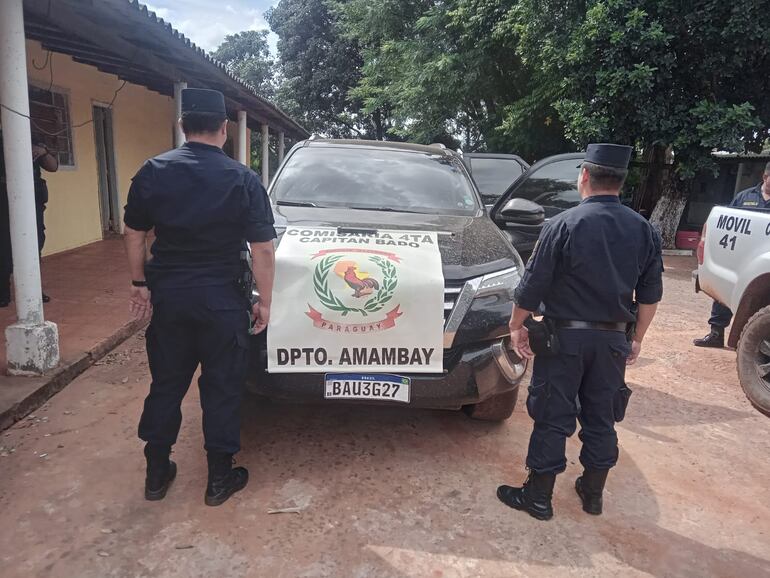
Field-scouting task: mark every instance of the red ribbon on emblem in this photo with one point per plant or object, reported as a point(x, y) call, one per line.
point(387, 323)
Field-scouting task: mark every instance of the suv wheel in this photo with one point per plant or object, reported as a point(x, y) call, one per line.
point(754, 360)
point(497, 408)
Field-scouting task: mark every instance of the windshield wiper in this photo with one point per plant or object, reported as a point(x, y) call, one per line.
point(296, 204)
point(385, 209)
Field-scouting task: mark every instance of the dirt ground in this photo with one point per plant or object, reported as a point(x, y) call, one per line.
point(386, 492)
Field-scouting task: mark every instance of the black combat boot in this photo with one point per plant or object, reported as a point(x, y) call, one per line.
point(589, 487)
point(715, 338)
point(224, 479)
point(161, 471)
point(534, 497)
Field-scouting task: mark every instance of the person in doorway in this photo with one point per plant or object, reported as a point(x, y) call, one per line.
point(590, 263)
point(42, 158)
point(756, 197)
point(204, 207)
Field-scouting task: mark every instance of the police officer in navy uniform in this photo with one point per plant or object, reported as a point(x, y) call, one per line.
point(757, 197)
point(204, 207)
point(590, 265)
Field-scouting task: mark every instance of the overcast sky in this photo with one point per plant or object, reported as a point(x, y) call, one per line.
point(207, 22)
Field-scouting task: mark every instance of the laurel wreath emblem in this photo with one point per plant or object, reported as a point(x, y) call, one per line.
point(378, 300)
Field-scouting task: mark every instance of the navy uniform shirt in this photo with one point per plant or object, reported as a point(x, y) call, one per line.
point(751, 199)
point(203, 206)
point(591, 262)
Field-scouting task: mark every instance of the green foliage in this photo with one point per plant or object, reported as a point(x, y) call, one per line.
point(247, 55)
point(535, 77)
point(690, 75)
point(319, 67)
point(442, 72)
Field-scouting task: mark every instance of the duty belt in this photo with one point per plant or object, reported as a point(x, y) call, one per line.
point(566, 324)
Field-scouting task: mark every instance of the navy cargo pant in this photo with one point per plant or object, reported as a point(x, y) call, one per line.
point(584, 382)
point(206, 326)
point(720, 315)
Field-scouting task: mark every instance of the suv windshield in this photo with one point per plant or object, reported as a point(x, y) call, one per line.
point(377, 179)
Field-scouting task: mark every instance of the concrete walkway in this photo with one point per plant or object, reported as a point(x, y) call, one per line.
point(89, 302)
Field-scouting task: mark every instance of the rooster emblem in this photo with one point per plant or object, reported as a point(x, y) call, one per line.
point(361, 283)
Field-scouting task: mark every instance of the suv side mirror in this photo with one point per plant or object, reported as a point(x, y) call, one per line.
point(522, 212)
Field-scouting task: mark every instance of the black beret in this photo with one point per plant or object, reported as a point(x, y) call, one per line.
point(609, 155)
point(203, 100)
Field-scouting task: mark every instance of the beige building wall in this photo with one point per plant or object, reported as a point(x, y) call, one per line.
point(143, 127)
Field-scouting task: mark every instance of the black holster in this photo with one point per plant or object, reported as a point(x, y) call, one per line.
point(542, 337)
point(246, 280)
point(631, 330)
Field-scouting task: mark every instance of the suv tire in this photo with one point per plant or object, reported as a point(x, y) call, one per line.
point(753, 352)
point(497, 408)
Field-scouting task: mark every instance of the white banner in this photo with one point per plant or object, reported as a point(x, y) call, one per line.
point(348, 301)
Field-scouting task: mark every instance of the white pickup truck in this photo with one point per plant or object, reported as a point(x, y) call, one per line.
point(734, 269)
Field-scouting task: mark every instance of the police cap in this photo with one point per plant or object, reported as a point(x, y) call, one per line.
point(203, 100)
point(608, 155)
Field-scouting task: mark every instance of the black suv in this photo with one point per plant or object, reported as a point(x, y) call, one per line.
point(370, 185)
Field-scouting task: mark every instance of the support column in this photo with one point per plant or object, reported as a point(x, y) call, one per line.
point(32, 343)
point(243, 156)
point(265, 155)
point(281, 147)
point(178, 133)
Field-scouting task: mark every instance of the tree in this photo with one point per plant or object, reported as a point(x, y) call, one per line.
point(318, 67)
point(441, 71)
point(247, 55)
point(654, 73)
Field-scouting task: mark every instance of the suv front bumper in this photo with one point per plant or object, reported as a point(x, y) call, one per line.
point(471, 375)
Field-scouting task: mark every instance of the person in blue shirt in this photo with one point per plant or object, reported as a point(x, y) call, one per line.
point(756, 197)
point(596, 269)
point(204, 208)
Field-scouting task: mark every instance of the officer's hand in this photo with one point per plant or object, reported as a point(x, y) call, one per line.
point(520, 343)
point(636, 349)
point(261, 317)
point(140, 305)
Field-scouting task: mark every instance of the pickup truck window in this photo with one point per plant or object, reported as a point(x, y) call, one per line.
point(369, 178)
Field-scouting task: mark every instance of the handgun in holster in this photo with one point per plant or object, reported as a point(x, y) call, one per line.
point(542, 337)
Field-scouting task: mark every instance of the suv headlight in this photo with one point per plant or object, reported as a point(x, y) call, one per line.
point(504, 281)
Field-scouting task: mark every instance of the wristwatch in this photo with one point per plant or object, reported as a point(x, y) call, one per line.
point(139, 283)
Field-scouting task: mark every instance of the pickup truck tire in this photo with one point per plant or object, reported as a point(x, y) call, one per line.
point(497, 408)
point(754, 360)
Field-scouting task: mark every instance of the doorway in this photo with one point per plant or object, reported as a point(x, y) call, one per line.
point(105, 162)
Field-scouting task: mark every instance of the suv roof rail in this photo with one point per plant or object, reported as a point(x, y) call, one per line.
point(438, 145)
point(314, 136)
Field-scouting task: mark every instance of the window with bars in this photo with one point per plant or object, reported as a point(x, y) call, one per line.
point(50, 113)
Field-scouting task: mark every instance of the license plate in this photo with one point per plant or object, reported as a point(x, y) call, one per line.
point(369, 386)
